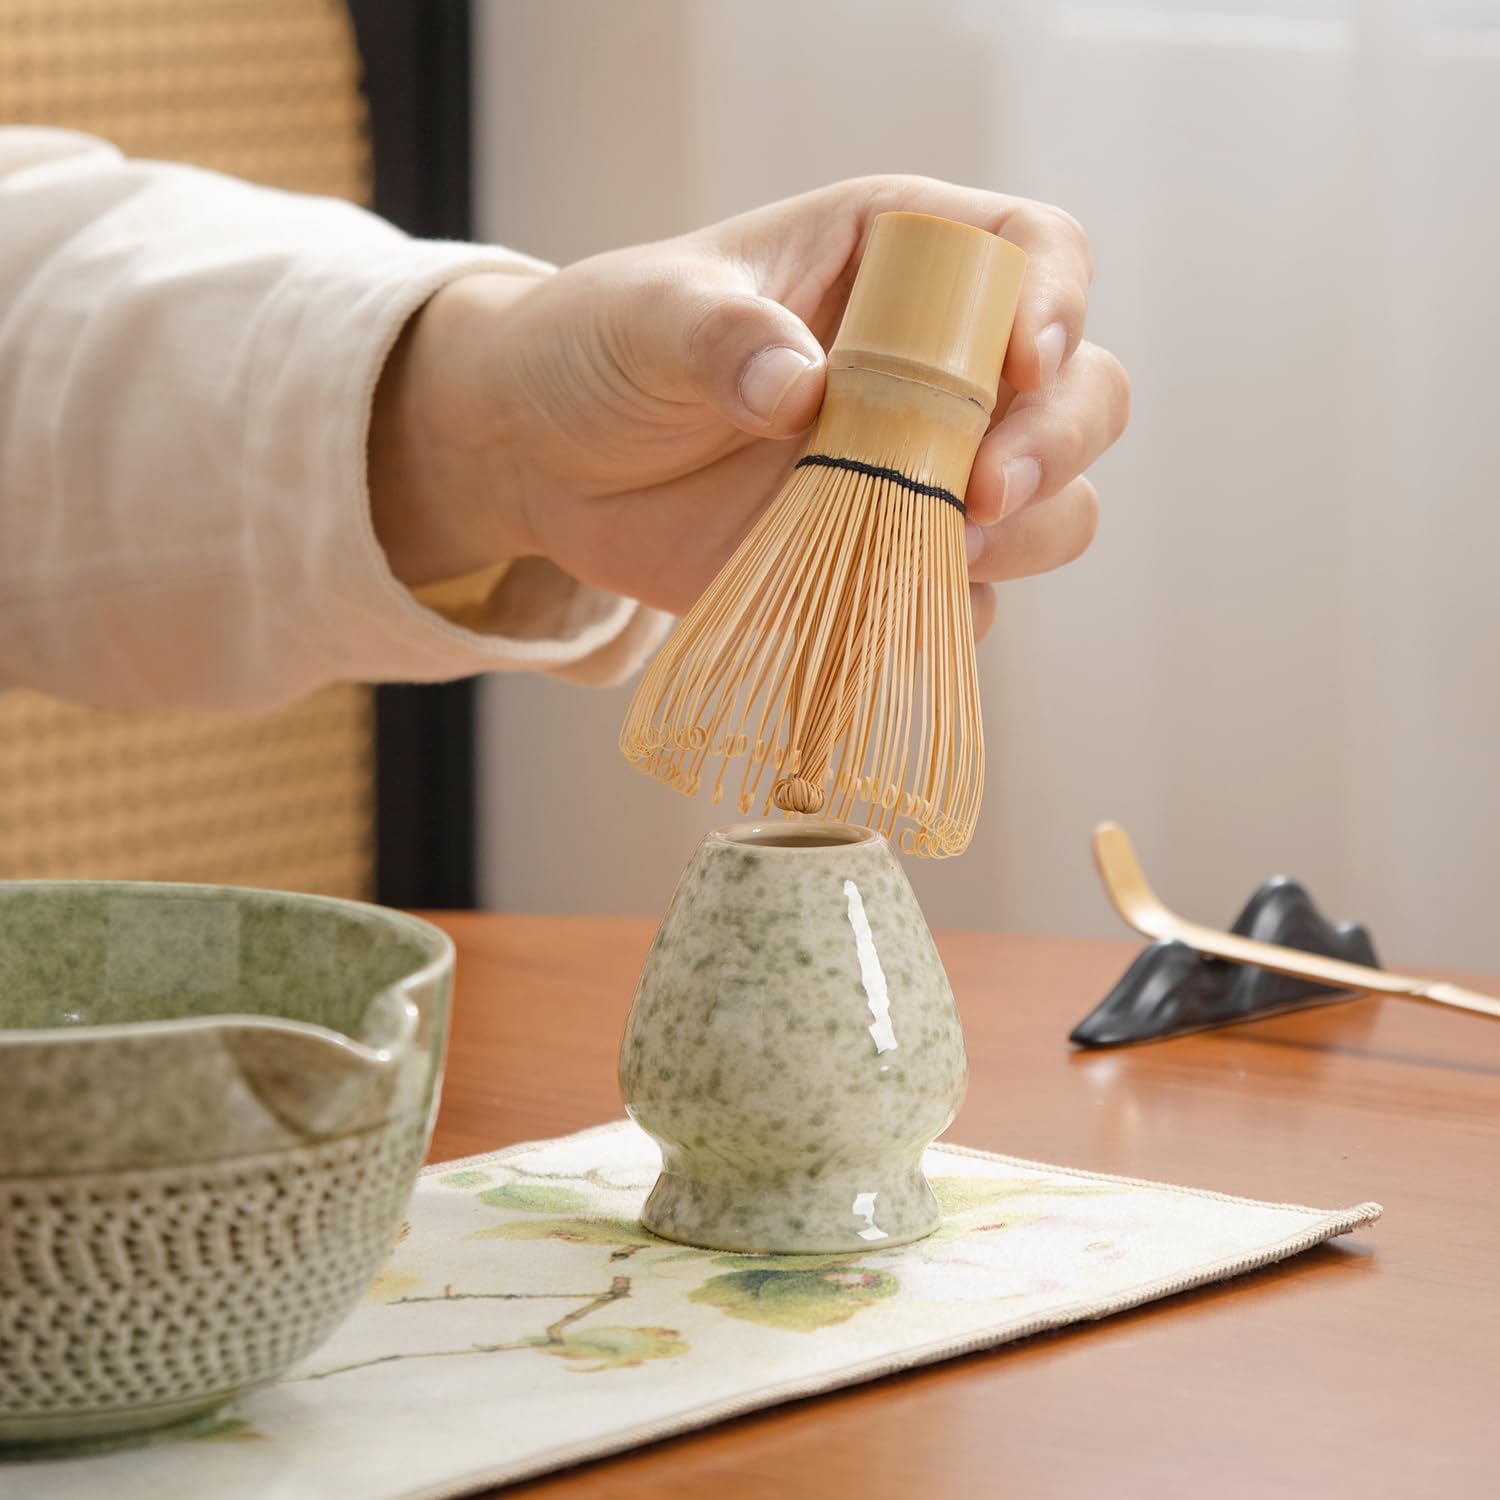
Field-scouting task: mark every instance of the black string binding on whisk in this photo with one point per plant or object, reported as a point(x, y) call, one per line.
point(875, 471)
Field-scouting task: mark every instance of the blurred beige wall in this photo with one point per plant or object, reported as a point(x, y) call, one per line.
point(1283, 651)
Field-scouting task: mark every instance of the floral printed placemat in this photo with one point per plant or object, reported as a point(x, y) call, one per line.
point(526, 1322)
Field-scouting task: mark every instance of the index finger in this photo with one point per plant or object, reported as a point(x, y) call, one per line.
point(1055, 293)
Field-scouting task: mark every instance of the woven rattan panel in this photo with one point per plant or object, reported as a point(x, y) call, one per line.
point(269, 90)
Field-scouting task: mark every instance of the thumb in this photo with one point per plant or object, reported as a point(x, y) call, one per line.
point(753, 362)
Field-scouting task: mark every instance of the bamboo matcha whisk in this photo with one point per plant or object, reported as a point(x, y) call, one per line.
point(836, 646)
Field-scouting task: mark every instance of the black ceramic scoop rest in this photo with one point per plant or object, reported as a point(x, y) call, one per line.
point(1171, 989)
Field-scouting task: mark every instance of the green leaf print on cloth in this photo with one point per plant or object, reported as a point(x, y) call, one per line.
point(613, 1348)
point(467, 1178)
point(958, 1195)
point(803, 1301)
point(219, 1429)
point(536, 1198)
point(620, 1233)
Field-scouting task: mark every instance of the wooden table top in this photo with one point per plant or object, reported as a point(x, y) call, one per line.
point(1369, 1367)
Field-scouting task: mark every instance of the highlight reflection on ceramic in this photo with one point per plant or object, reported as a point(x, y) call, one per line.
point(793, 1046)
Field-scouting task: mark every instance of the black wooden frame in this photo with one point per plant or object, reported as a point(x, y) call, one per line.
point(417, 60)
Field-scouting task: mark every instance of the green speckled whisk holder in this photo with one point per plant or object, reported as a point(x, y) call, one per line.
point(793, 1046)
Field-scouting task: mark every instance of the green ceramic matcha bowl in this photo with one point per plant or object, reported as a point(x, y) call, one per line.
point(213, 1103)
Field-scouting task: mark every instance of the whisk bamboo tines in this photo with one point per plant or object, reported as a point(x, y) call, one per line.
point(836, 646)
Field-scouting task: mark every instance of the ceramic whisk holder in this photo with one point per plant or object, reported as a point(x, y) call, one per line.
point(793, 1046)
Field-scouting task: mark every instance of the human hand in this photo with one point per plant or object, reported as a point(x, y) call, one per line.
point(630, 416)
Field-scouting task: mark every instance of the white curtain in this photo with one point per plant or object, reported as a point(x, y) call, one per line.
point(1283, 651)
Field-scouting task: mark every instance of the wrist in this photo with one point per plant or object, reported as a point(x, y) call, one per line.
point(443, 449)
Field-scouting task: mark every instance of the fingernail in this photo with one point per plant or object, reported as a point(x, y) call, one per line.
point(1020, 477)
point(769, 378)
point(1051, 345)
point(973, 541)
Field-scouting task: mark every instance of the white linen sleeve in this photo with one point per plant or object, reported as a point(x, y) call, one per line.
point(186, 370)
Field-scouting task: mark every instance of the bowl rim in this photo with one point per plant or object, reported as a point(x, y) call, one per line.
point(800, 836)
point(399, 990)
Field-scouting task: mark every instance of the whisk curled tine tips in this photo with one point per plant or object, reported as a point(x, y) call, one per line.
point(796, 794)
point(836, 646)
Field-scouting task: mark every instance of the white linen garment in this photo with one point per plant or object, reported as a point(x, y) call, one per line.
point(186, 369)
